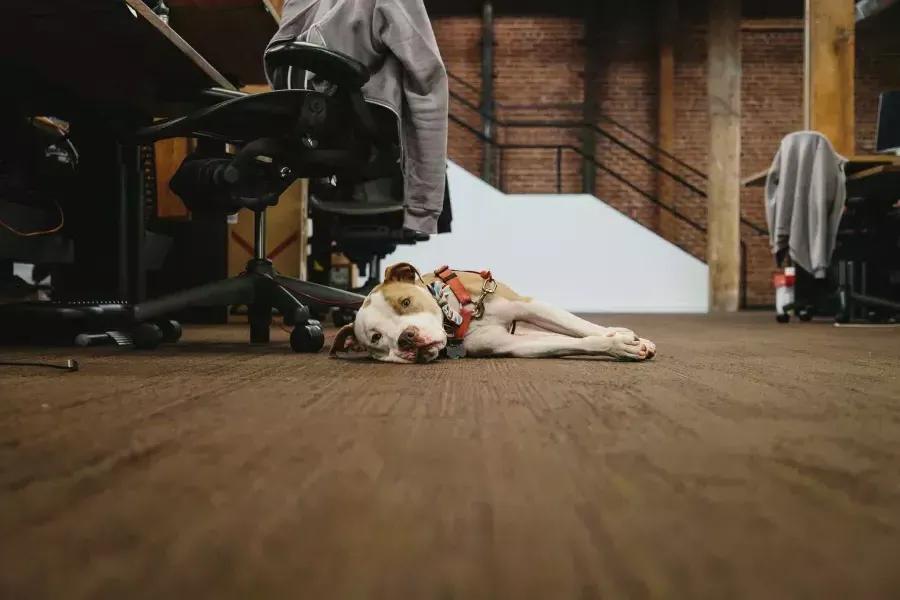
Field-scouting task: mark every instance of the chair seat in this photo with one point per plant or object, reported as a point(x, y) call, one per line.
point(240, 119)
point(336, 67)
point(354, 209)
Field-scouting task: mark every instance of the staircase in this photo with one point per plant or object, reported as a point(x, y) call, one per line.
point(572, 250)
point(563, 162)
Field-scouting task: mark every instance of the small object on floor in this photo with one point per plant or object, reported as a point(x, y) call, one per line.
point(70, 365)
point(784, 294)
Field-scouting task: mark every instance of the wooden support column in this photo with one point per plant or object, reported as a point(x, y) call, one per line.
point(667, 26)
point(488, 108)
point(592, 50)
point(724, 194)
point(830, 27)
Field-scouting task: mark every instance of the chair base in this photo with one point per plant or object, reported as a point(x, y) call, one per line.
point(851, 304)
point(261, 289)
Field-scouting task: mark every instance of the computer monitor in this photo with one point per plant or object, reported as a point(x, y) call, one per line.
point(887, 127)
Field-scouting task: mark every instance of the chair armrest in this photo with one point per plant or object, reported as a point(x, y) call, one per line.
point(333, 66)
point(220, 94)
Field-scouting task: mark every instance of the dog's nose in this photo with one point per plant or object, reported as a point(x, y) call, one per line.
point(409, 337)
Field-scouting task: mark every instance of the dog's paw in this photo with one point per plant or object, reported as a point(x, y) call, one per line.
point(649, 347)
point(626, 346)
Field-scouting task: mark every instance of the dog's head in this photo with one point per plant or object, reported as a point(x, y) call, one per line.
point(400, 321)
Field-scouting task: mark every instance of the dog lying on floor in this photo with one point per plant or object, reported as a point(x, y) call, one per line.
point(412, 318)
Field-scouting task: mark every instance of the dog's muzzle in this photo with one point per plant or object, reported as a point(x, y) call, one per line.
point(418, 347)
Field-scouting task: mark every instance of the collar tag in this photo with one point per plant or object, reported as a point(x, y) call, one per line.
point(456, 349)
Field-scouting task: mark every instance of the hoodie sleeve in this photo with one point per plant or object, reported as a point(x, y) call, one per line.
point(403, 28)
point(827, 194)
point(777, 218)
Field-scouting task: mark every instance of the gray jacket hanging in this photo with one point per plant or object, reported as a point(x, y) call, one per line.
point(805, 196)
point(394, 39)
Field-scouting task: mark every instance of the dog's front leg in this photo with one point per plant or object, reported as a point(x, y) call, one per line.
point(496, 341)
point(550, 318)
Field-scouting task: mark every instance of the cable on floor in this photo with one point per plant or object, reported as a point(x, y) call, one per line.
point(70, 365)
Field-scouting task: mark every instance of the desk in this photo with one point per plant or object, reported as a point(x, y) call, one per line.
point(855, 164)
point(880, 183)
point(232, 34)
point(107, 67)
point(103, 53)
point(877, 171)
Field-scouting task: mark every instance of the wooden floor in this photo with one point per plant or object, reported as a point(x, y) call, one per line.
point(751, 460)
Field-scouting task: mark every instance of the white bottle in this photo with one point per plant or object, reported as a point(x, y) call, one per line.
point(784, 292)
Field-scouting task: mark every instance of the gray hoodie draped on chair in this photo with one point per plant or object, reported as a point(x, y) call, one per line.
point(394, 39)
point(805, 196)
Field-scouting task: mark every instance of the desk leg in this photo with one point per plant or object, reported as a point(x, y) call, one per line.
point(845, 292)
point(131, 280)
point(92, 217)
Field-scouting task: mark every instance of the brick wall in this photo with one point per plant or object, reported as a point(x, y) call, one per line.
point(540, 60)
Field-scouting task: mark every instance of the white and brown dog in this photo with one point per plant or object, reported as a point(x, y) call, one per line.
point(410, 318)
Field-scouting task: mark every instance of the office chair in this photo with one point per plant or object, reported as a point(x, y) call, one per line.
point(280, 136)
point(867, 243)
point(359, 213)
point(861, 266)
point(364, 229)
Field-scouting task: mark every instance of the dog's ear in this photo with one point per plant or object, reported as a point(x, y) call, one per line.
point(401, 272)
point(345, 341)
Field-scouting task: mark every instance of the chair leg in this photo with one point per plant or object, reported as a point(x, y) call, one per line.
point(288, 306)
point(845, 292)
point(872, 301)
point(320, 295)
point(237, 290)
point(259, 312)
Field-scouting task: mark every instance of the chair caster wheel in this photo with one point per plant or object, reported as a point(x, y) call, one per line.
point(308, 339)
point(300, 317)
point(343, 317)
point(171, 331)
point(783, 318)
point(146, 336)
point(805, 316)
point(842, 318)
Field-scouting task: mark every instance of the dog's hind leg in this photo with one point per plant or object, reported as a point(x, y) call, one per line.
point(496, 341)
point(556, 320)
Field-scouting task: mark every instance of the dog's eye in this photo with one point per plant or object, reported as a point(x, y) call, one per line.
point(376, 337)
point(405, 303)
